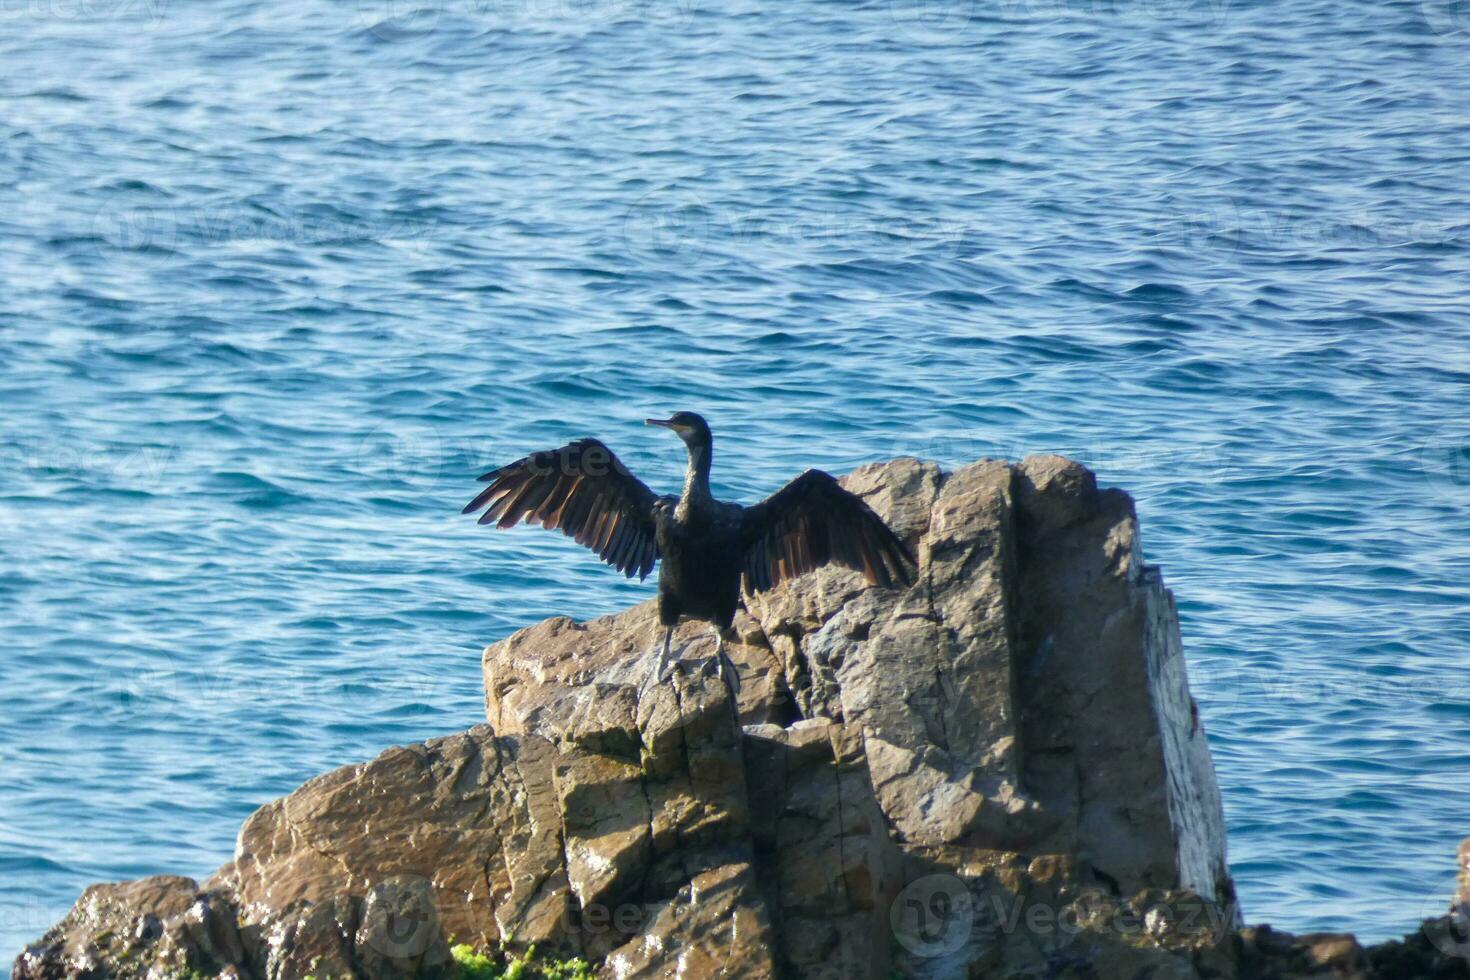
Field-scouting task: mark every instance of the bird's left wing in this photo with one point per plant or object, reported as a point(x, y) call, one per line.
point(812, 521)
point(582, 490)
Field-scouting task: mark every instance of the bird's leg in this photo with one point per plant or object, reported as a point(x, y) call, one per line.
point(663, 661)
point(724, 669)
point(713, 663)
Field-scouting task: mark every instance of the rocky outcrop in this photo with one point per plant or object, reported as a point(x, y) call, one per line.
point(998, 772)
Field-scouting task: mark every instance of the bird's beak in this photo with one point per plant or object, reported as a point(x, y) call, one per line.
point(661, 423)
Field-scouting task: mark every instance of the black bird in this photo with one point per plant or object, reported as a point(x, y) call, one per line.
point(707, 547)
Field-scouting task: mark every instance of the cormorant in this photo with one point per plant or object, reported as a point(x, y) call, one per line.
point(707, 547)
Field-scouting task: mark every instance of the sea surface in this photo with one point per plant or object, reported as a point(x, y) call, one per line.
point(279, 279)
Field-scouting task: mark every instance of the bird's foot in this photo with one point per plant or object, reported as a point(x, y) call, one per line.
point(663, 668)
point(721, 667)
point(662, 674)
point(659, 674)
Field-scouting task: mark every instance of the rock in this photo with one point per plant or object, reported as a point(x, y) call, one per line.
point(1438, 950)
point(1026, 696)
point(1113, 736)
point(399, 933)
point(412, 822)
point(828, 866)
point(655, 817)
point(162, 925)
point(308, 939)
point(1030, 691)
point(1053, 493)
point(1334, 951)
point(996, 772)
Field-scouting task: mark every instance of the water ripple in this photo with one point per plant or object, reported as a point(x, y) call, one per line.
point(269, 311)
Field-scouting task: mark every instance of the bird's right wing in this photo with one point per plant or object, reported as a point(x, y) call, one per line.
point(812, 521)
point(585, 492)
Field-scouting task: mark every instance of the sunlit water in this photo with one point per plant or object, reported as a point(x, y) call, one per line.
point(280, 278)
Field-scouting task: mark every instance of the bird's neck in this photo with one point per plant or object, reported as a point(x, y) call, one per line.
point(696, 494)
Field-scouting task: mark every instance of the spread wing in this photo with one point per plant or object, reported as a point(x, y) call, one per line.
point(812, 521)
point(585, 492)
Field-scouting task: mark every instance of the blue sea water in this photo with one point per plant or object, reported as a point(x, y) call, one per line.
point(280, 278)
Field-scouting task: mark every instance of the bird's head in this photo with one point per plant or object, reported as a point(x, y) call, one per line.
point(690, 427)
